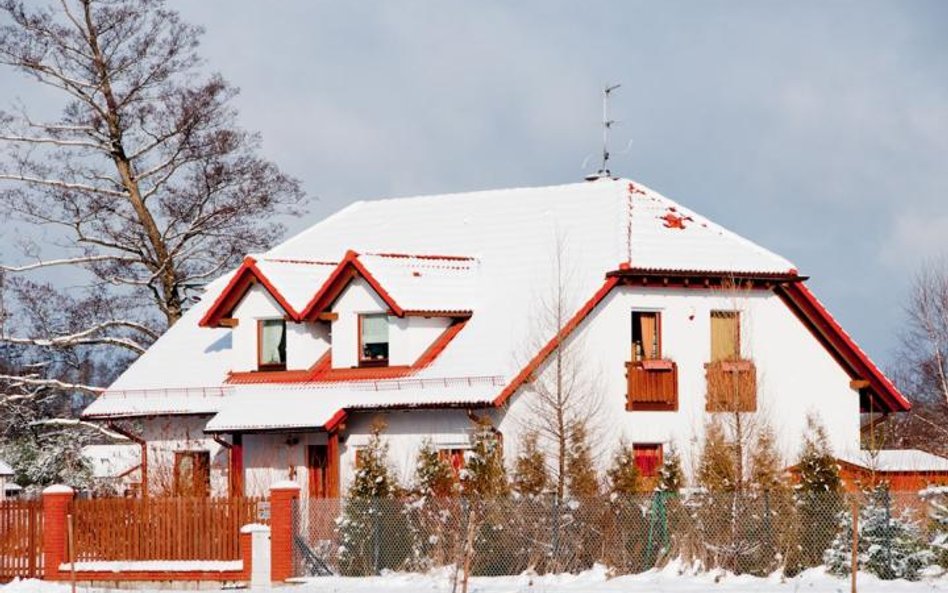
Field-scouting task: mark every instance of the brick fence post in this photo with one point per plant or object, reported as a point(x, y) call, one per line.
point(56, 500)
point(282, 496)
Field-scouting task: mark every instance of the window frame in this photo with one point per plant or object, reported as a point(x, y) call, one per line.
point(269, 366)
point(731, 313)
point(637, 313)
point(660, 457)
point(373, 362)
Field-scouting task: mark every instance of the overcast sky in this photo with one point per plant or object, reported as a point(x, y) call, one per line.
point(817, 129)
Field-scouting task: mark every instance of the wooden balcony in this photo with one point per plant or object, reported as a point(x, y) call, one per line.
point(732, 386)
point(652, 386)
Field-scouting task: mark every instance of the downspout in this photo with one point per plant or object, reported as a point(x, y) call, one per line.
point(144, 445)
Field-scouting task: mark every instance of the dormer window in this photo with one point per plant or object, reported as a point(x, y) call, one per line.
point(271, 344)
point(373, 340)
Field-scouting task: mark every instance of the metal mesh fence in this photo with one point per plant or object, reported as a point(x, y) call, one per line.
point(747, 533)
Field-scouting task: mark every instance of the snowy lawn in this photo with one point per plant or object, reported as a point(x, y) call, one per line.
point(669, 579)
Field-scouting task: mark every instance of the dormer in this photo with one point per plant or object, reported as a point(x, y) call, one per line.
point(372, 315)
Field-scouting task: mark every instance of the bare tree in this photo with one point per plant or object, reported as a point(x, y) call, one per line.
point(922, 368)
point(144, 182)
point(566, 392)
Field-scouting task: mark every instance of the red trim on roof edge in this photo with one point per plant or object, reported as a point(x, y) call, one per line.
point(835, 339)
point(554, 343)
point(337, 282)
point(235, 290)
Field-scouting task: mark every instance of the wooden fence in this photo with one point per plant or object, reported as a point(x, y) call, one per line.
point(130, 529)
point(21, 539)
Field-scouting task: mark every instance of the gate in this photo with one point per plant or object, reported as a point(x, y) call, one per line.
point(21, 539)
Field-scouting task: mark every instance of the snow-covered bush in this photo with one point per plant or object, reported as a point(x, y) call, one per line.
point(937, 499)
point(890, 547)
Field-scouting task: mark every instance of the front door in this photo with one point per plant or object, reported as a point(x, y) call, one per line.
point(318, 465)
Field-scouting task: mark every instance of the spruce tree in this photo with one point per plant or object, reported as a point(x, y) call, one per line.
point(581, 478)
point(372, 525)
point(623, 474)
point(889, 547)
point(530, 477)
point(434, 476)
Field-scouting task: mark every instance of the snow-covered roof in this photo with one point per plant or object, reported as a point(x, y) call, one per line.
point(111, 461)
point(489, 253)
point(5, 470)
point(315, 405)
point(897, 460)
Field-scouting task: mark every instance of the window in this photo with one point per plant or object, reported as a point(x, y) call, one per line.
point(192, 473)
point(648, 458)
point(725, 335)
point(455, 458)
point(646, 338)
point(652, 380)
point(373, 340)
point(271, 344)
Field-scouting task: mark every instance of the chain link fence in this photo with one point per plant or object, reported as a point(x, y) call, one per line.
point(746, 533)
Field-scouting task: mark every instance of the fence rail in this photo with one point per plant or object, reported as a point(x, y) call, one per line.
point(130, 529)
point(21, 539)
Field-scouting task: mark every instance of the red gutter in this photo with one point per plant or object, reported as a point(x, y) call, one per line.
point(558, 339)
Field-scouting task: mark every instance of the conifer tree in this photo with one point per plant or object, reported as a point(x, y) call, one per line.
point(434, 476)
point(370, 524)
point(623, 474)
point(581, 479)
point(937, 499)
point(530, 477)
point(484, 474)
point(889, 547)
point(767, 467)
point(670, 475)
point(817, 496)
point(717, 470)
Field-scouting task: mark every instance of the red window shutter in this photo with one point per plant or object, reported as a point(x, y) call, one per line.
point(648, 458)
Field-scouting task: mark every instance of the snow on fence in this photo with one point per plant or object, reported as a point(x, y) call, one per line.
point(744, 532)
point(169, 529)
point(21, 539)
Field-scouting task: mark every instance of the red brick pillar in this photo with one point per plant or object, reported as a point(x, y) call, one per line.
point(282, 496)
point(56, 501)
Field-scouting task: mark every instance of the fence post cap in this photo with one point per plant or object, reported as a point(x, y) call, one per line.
point(58, 489)
point(255, 528)
point(285, 485)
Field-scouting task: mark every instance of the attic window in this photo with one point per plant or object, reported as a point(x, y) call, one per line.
point(271, 344)
point(646, 335)
point(725, 335)
point(373, 340)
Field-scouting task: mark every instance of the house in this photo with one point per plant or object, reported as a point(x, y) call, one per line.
point(8, 488)
point(116, 468)
point(424, 312)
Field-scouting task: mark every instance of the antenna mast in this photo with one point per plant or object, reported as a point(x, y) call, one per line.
point(606, 126)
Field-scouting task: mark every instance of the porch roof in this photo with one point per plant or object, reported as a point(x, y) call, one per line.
point(314, 405)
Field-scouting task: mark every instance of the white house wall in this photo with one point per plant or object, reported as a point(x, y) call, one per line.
point(305, 342)
point(796, 374)
point(166, 435)
point(408, 337)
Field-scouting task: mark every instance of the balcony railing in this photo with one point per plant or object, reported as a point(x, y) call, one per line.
point(732, 386)
point(652, 385)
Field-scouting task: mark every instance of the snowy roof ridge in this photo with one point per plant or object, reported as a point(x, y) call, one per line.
point(5, 469)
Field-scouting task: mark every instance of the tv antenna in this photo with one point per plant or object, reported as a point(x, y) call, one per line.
point(606, 126)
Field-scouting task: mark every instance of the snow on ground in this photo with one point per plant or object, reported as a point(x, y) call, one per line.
point(671, 579)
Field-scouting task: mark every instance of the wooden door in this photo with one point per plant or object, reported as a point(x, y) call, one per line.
point(318, 465)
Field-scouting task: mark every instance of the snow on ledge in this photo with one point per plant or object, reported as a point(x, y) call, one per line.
point(58, 489)
point(157, 566)
point(285, 485)
point(255, 528)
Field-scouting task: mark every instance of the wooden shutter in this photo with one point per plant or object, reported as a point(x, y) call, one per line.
point(648, 459)
point(725, 335)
